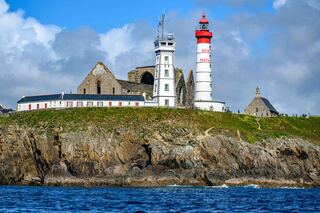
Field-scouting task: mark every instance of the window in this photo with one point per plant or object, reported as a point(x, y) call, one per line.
point(29, 106)
point(100, 104)
point(120, 104)
point(166, 87)
point(166, 102)
point(79, 104)
point(166, 73)
point(69, 103)
point(38, 106)
point(166, 60)
point(45, 105)
point(98, 87)
point(110, 104)
point(89, 104)
point(137, 104)
point(84, 91)
point(128, 91)
point(257, 110)
point(113, 90)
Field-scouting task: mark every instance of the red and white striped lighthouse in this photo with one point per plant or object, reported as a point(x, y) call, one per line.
point(203, 85)
point(203, 90)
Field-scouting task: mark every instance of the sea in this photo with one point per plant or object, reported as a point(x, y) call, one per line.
point(250, 198)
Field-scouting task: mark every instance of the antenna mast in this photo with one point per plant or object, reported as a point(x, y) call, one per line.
point(161, 24)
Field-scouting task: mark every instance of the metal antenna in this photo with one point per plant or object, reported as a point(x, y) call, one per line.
point(162, 25)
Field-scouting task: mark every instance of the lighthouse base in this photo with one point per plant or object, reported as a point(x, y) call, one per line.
point(211, 106)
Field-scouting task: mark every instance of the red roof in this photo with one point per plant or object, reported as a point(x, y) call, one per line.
point(204, 20)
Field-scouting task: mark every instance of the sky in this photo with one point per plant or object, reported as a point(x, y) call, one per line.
point(50, 46)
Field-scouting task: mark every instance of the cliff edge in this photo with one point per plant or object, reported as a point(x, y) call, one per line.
point(152, 147)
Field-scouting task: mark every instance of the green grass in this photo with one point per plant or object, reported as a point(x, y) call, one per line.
point(146, 120)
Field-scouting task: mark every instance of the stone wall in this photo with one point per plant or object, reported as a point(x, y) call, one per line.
point(190, 89)
point(136, 74)
point(263, 110)
point(180, 88)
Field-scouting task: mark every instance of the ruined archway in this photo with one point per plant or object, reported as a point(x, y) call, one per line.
point(147, 78)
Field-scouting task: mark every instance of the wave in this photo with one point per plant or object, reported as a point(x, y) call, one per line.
point(289, 187)
point(255, 186)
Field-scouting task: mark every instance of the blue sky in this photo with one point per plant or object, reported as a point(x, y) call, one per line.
point(49, 46)
point(102, 15)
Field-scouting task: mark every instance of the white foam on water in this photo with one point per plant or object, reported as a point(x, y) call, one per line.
point(222, 186)
point(255, 186)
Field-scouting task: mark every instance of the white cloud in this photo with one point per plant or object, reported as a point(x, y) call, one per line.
point(279, 3)
point(117, 41)
point(314, 4)
point(292, 72)
point(3, 7)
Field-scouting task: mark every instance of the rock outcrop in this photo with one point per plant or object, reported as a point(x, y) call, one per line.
point(94, 156)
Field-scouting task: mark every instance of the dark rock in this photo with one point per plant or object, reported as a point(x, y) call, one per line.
point(96, 157)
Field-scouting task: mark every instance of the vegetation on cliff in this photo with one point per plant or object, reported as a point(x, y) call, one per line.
point(147, 120)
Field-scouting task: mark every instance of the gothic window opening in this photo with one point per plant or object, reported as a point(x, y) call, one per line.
point(147, 78)
point(98, 87)
point(180, 95)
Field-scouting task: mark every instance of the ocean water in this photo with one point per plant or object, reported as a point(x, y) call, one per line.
point(158, 199)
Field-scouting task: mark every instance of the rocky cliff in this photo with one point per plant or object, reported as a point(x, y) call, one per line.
point(153, 147)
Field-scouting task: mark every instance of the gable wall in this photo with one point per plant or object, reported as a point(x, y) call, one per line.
point(107, 79)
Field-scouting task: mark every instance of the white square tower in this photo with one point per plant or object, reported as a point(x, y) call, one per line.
point(164, 78)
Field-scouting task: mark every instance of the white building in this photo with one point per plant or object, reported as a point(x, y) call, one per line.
point(62, 100)
point(164, 79)
point(203, 79)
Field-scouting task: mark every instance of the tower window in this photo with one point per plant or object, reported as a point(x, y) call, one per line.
point(84, 91)
point(166, 59)
point(257, 110)
point(166, 87)
point(166, 102)
point(166, 73)
point(113, 90)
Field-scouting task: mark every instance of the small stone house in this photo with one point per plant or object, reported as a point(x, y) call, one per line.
point(260, 107)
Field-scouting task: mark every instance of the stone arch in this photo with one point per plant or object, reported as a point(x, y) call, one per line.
point(147, 78)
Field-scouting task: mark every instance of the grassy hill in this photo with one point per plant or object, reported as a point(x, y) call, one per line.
point(147, 120)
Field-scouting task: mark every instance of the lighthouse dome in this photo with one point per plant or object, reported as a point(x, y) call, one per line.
point(204, 20)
